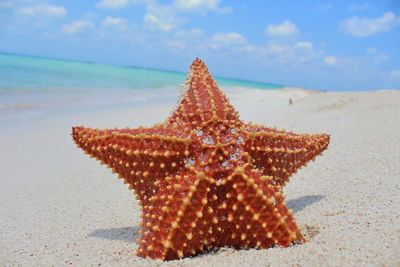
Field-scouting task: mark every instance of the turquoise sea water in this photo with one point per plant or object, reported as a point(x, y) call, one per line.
point(30, 83)
point(19, 73)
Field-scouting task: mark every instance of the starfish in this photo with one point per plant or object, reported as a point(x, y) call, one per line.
point(204, 178)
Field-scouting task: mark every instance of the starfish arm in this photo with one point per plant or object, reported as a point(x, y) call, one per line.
point(279, 154)
point(179, 206)
point(246, 210)
point(201, 100)
point(142, 157)
point(260, 212)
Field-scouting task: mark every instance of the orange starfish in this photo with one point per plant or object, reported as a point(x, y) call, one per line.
point(203, 177)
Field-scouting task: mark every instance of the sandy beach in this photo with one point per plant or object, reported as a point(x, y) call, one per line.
point(59, 207)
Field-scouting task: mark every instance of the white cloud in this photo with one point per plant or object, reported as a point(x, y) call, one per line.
point(201, 5)
point(161, 18)
point(286, 28)
point(43, 10)
point(115, 22)
point(363, 27)
point(307, 45)
point(156, 23)
point(371, 51)
point(330, 60)
point(395, 74)
point(77, 26)
point(197, 4)
point(231, 39)
point(165, 17)
point(119, 4)
point(195, 32)
point(190, 33)
point(376, 56)
point(289, 53)
point(113, 4)
point(157, 17)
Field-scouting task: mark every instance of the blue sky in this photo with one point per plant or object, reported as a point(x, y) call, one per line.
point(325, 45)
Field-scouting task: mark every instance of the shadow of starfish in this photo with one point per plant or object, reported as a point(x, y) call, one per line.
point(127, 234)
point(300, 203)
point(130, 234)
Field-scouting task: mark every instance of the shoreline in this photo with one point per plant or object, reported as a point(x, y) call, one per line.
point(29, 100)
point(17, 107)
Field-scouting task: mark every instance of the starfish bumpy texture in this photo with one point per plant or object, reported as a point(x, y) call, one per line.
point(204, 178)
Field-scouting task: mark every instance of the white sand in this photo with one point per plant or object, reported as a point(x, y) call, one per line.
point(59, 207)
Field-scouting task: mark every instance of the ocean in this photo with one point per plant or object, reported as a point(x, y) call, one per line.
point(35, 85)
